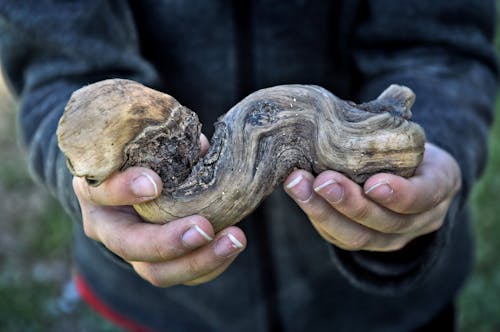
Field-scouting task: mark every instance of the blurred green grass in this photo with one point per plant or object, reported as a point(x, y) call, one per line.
point(479, 303)
point(35, 259)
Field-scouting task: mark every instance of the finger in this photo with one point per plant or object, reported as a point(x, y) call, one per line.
point(132, 186)
point(126, 235)
point(355, 241)
point(347, 198)
point(155, 243)
point(436, 179)
point(91, 212)
point(347, 233)
point(299, 185)
point(331, 225)
point(204, 144)
point(211, 275)
point(207, 260)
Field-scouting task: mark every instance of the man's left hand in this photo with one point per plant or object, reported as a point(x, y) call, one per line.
point(387, 212)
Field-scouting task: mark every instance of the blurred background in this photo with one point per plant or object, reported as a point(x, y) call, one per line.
point(35, 261)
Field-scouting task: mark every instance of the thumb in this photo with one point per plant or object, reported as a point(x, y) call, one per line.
point(132, 186)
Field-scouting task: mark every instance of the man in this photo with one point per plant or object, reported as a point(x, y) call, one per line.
point(389, 256)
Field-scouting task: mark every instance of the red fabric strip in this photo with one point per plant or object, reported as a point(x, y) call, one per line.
point(89, 296)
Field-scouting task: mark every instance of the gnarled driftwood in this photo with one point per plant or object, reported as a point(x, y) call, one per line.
point(114, 124)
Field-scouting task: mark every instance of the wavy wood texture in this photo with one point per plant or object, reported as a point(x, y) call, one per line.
point(255, 145)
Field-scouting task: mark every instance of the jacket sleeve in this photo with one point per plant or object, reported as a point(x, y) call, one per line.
point(443, 51)
point(48, 50)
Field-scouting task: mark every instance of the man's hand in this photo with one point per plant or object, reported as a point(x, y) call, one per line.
point(184, 251)
point(384, 215)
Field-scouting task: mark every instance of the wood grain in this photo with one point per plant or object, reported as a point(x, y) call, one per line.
point(115, 124)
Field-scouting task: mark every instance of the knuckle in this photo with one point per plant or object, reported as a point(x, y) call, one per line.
point(328, 237)
point(395, 226)
point(193, 267)
point(117, 245)
point(356, 241)
point(89, 232)
point(163, 251)
point(154, 276)
point(438, 223)
point(90, 223)
point(360, 212)
point(159, 250)
point(405, 204)
point(88, 229)
point(154, 280)
point(436, 197)
point(433, 226)
point(320, 215)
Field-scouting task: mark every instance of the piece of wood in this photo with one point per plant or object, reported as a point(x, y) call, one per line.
point(114, 124)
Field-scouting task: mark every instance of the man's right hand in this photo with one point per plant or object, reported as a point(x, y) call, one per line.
point(183, 251)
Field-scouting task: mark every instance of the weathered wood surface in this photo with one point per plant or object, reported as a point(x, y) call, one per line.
point(114, 124)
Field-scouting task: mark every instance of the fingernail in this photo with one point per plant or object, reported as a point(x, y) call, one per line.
point(294, 182)
point(331, 191)
point(195, 237)
point(227, 246)
point(380, 189)
point(144, 186)
point(298, 190)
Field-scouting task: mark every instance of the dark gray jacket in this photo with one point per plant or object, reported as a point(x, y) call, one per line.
point(209, 54)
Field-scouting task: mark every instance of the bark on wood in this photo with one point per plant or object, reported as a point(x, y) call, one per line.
point(114, 124)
